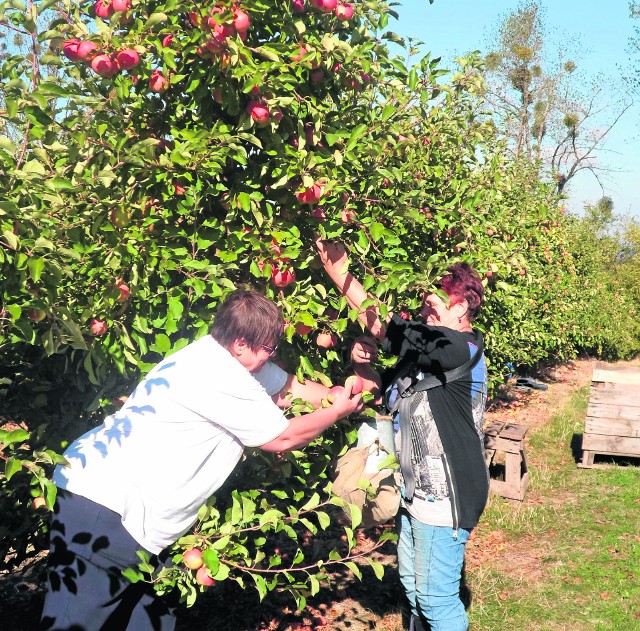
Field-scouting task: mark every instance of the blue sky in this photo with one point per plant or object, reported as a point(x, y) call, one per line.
point(601, 32)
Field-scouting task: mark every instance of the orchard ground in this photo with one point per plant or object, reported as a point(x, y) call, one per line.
point(499, 570)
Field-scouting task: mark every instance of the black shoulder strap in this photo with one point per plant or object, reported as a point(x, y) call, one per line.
point(454, 374)
point(402, 405)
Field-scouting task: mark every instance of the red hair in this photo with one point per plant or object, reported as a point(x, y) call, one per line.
point(463, 283)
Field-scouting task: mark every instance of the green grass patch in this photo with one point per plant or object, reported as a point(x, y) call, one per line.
point(569, 556)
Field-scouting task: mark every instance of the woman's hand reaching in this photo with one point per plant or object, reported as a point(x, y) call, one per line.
point(364, 350)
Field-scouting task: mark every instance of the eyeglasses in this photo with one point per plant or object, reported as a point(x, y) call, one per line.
point(271, 351)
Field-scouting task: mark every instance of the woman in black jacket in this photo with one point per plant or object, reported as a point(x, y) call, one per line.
point(445, 479)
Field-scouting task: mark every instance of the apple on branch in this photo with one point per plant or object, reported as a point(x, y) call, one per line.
point(326, 339)
point(203, 577)
point(344, 12)
point(311, 195)
point(193, 559)
point(259, 112)
point(127, 58)
point(98, 327)
point(104, 9)
point(121, 5)
point(158, 82)
point(86, 50)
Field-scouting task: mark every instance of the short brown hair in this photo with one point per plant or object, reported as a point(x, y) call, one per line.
point(247, 315)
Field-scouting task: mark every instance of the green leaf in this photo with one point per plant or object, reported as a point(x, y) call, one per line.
point(378, 568)
point(376, 230)
point(211, 560)
point(154, 18)
point(134, 575)
point(11, 467)
point(323, 519)
point(60, 184)
point(8, 144)
point(10, 239)
point(312, 502)
point(261, 585)
point(222, 573)
point(35, 265)
point(267, 53)
point(354, 568)
point(14, 436)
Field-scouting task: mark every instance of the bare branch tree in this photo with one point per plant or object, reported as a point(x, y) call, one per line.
point(539, 103)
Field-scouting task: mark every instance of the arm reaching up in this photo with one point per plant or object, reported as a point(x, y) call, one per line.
point(336, 263)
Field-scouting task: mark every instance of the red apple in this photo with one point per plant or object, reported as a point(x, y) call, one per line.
point(158, 82)
point(311, 195)
point(121, 5)
point(86, 49)
point(203, 577)
point(241, 20)
point(302, 51)
point(221, 32)
point(355, 383)
point(326, 6)
point(166, 40)
point(348, 215)
point(405, 315)
point(258, 112)
point(282, 278)
point(70, 49)
point(125, 292)
point(178, 189)
point(298, 6)
point(104, 9)
point(127, 58)
point(98, 327)
point(105, 66)
point(303, 329)
point(326, 340)
point(193, 559)
point(38, 502)
point(344, 12)
point(318, 213)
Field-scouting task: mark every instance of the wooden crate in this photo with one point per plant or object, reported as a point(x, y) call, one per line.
point(612, 425)
point(508, 439)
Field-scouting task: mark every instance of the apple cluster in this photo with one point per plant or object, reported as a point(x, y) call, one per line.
point(194, 561)
point(87, 51)
point(343, 10)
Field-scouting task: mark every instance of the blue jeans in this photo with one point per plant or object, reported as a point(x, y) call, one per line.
point(430, 562)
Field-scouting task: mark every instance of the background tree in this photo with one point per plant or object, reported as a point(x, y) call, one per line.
point(534, 90)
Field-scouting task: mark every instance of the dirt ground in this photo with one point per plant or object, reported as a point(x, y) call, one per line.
point(348, 604)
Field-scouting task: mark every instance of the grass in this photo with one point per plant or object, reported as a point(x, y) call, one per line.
point(569, 556)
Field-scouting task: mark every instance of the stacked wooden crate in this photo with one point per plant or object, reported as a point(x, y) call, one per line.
point(612, 426)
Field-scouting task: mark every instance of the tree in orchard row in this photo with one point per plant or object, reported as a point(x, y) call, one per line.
point(177, 190)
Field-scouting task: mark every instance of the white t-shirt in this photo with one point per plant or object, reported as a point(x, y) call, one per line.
point(175, 441)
